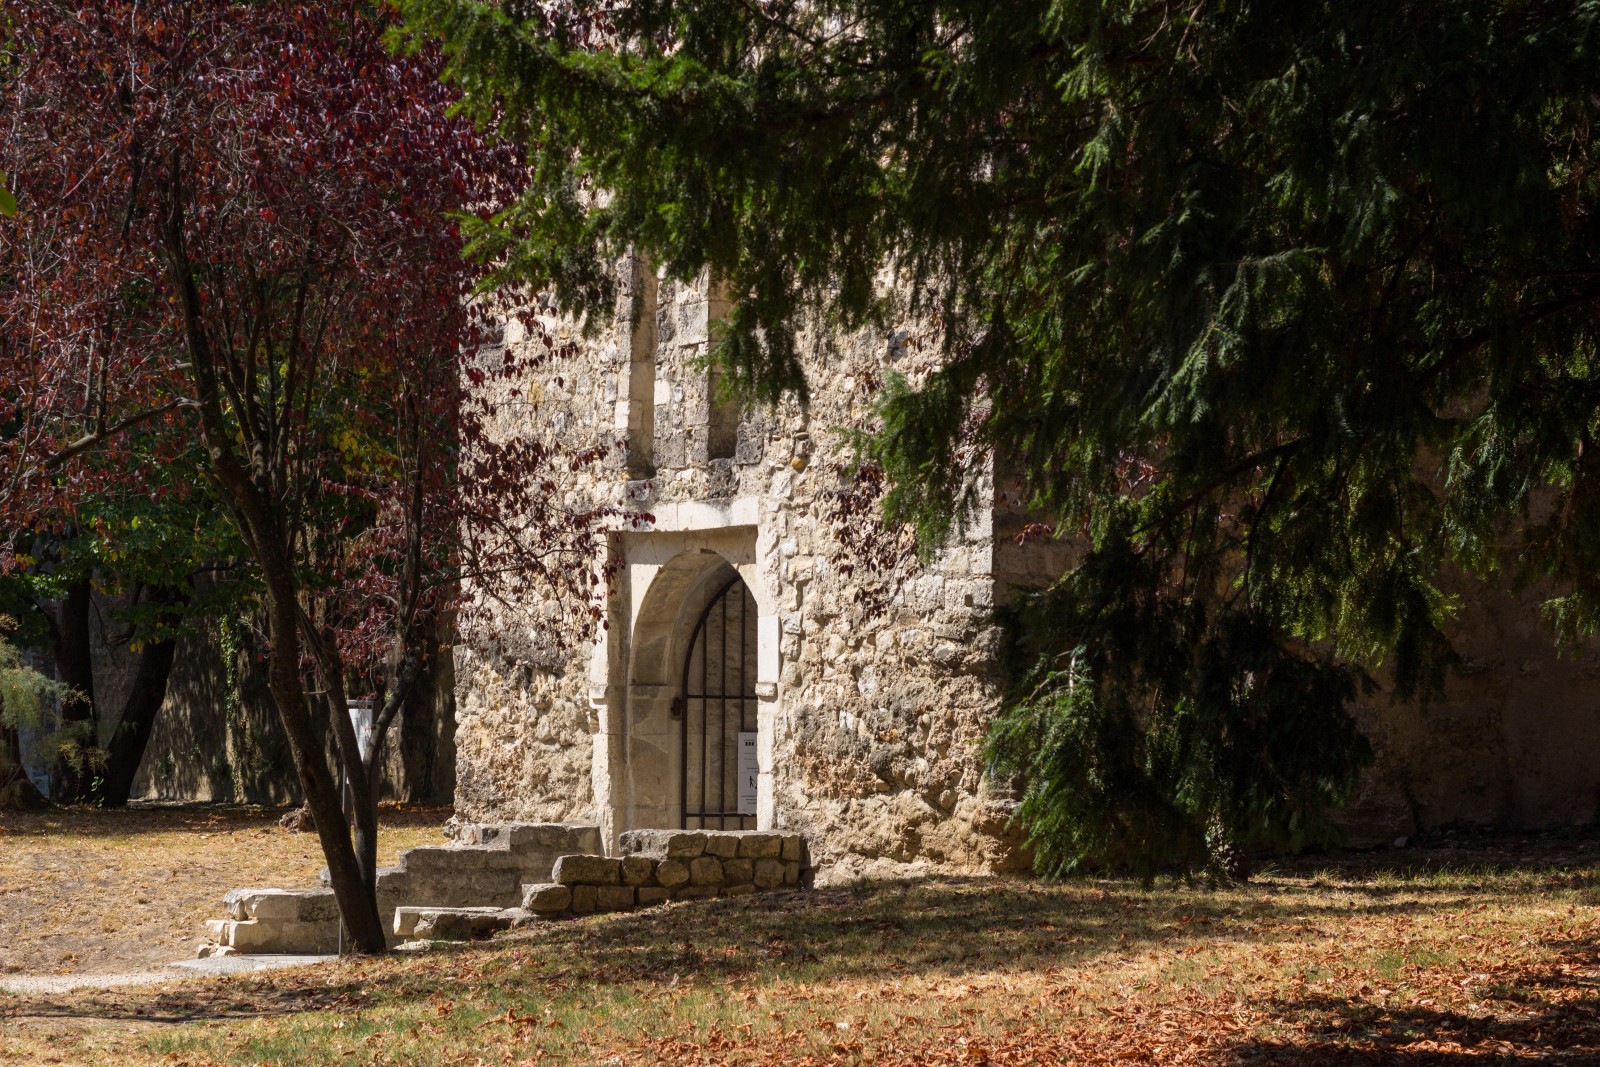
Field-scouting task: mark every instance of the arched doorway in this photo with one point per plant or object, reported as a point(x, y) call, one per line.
point(717, 709)
point(688, 710)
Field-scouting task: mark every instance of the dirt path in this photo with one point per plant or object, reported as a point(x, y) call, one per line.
point(86, 892)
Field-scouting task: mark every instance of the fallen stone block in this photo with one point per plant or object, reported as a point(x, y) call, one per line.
point(407, 919)
point(458, 924)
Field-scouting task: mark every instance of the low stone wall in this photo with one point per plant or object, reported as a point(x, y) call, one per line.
point(486, 867)
point(660, 865)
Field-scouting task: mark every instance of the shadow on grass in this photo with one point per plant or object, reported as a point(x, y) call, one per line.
point(192, 1003)
point(1546, 1015)
point(948, 929)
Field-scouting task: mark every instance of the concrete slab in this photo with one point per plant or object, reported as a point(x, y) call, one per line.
point(245, 963)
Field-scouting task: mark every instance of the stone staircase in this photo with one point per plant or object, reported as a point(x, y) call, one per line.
point(487, 865)
point(500, 876)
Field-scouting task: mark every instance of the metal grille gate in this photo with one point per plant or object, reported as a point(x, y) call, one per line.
point(719, 704)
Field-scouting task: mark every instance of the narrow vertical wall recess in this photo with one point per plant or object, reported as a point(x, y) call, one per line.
point(722, 423)
point(637, 408)
point(722, 432)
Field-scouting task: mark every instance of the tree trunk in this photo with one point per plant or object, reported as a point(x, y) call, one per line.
point(358, 907)
point(126, 750)
point(427, 727)
point(73, 780)
point(262, 523)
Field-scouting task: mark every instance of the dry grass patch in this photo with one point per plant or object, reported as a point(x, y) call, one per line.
point(98, 892)
point(1363, 964)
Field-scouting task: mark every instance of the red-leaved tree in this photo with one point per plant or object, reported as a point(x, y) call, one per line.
point(235, 226)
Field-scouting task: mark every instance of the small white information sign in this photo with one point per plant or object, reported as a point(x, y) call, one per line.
point(361, 719)
point(747, 773)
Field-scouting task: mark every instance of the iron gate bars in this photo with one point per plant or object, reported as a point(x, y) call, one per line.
point(718, 706)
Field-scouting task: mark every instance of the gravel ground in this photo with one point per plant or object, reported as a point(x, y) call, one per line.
point(118, 895)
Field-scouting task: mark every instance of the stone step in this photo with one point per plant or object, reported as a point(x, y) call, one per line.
point(302, 905)
point(275, 935)
point(455, 924)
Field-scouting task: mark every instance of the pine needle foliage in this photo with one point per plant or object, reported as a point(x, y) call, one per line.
point(1276, 308)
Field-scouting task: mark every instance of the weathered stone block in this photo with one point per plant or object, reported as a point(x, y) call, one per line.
point(664, 844)
point(738, 890)
point(407, 920)
point(705, 870)
point(275, 935)
point(722, 845)
point(696, 892)
point(588, 870)
point(769, 873)
point(244, 904)
point(614, 898)
point(757, 845)
point(637, 870)
point(460, 924)
point(793, 848)
point(791, 873)
point(737, 872)
point(650, 894)
point(568, 837)
point(291, 905)
point(547, 899)
point(437, 857)
point(672, 873)
point(583, 899)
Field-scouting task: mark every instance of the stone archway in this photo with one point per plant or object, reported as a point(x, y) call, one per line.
point(674, 629)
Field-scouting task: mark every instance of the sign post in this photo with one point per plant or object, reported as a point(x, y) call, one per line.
point(361, 719)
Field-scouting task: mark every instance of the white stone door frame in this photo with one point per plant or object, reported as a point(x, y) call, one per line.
point(661, 579)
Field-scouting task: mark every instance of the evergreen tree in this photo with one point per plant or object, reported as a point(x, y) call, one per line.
point(1277, 308)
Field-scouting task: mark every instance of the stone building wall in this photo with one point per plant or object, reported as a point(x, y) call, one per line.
point(874, 690)
point(872, 695)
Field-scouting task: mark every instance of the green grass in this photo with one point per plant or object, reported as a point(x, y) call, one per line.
point(1480, 960)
